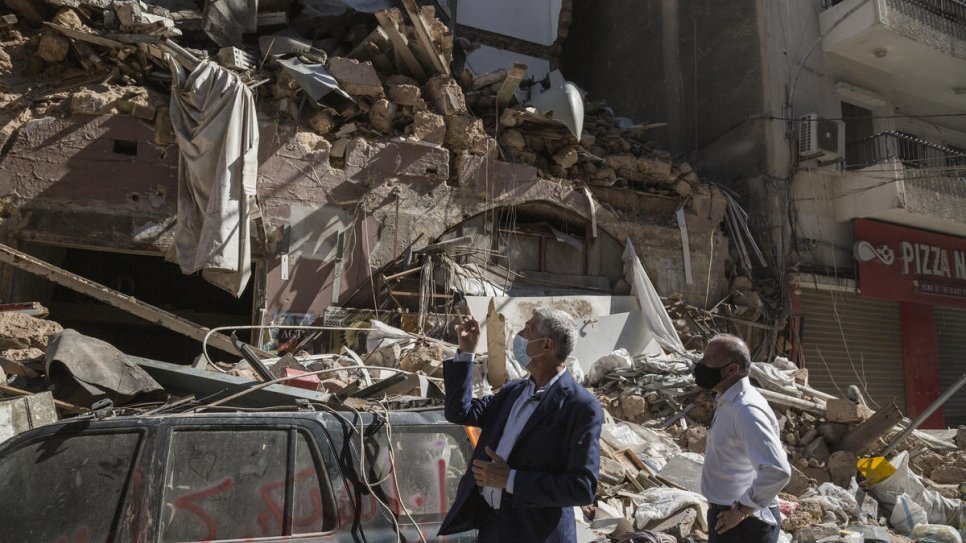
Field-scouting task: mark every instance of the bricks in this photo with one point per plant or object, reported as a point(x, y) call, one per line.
point(446, 96)
point(356, 78)
point(845, 411)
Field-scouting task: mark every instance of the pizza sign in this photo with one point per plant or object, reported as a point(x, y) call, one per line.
point(910, 265)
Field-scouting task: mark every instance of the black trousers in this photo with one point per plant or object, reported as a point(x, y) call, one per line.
point(750, 530)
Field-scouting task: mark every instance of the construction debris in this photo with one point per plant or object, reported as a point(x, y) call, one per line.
point(388, 74)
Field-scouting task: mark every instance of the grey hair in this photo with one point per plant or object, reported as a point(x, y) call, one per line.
point(560, 327)
point(735, 349)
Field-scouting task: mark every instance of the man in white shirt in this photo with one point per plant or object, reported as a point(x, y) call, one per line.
point(745, 465)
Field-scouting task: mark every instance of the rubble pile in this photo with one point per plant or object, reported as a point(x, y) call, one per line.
point(395, 73)
point(662, 435)
point(652, 443)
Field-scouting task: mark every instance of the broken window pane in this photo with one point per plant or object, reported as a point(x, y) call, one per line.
point(224, 484)
point(66, 488)
point(430, 466)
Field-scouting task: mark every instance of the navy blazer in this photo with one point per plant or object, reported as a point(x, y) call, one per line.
point(556, 457)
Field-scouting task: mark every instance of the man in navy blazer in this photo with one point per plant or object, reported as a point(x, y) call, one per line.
point(538, 454)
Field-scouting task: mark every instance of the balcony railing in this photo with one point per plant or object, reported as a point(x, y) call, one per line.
point(947, 16)
point(921, 158)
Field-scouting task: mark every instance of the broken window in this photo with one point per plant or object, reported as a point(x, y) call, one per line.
point(432, 464)
point(66, 488)
point(232, 484)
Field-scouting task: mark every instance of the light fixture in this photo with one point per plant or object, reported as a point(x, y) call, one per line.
point(880, 52)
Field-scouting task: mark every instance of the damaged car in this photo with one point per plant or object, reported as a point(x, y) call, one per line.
point(296, 476)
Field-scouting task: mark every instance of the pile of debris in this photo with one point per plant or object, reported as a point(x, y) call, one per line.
point(652, 443)
point(655, 453)
point(386, 74)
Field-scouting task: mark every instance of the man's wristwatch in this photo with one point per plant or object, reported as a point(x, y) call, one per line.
point(736, 506)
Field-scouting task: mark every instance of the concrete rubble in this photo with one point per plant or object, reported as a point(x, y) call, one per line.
point(387, 77)
point(652, 442)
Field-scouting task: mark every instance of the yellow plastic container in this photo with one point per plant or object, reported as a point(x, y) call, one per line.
point(875, 469)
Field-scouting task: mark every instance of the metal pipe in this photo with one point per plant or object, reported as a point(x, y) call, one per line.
point(924, 415)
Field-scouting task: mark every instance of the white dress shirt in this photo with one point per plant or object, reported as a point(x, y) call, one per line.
point(523, 408)
point(745, 461)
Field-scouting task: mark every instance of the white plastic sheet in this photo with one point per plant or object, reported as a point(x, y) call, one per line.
point(658, 322)
point(660, 503)
point(214, 120)
point(939, 509)
point(652, 448)
point(599, 369)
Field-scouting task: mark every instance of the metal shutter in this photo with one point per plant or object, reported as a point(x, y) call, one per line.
point(871, 351)
point(951, 331)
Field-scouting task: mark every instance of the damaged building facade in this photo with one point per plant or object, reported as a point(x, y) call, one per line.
point(841, 124)
point(386, 184)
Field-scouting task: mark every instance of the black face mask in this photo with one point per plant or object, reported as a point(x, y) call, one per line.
point(706, 377)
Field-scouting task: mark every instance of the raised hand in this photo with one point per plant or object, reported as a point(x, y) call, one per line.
point(468, 333)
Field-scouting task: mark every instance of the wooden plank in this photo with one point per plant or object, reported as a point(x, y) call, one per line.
point(864, 435)
point(84, 36)
point(495, 346)
point(511, 83)
point(425, 37)
point(148, 312)
point(401, 46)
point(378, 38)
point(69, 407)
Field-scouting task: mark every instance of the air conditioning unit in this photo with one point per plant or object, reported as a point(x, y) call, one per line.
point(820, 138)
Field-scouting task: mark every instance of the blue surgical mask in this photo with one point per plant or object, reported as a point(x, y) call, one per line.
point(520, 350)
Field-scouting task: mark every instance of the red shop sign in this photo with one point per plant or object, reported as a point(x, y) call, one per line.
point(909, 265)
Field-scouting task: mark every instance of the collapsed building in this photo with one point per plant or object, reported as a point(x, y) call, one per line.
point(337, 164)
point(369, 155)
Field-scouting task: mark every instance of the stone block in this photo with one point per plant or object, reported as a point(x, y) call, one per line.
point(948, 475)
point(815, 533)
point(405, 95)
point(53, 47)
point(655, 167)
point(381, 115)
point(91, 102)
point(797, 484)
point(428, 126)
point(635, 408)
point(356, 78)
point(566, 156)
point(621, 162)
point(697, 439)
point(465, 132)
point(446, 96)
point(513, 140)
point(845, 411)
point(321, 122)
point(841, 468)
point(683, 188)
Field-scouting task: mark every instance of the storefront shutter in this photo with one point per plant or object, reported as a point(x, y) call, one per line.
point(850, 340)
point(951, 331)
